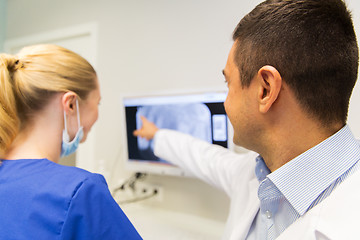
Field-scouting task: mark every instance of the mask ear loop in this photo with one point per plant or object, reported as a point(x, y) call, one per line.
point(78, 113)
point(65, 131)
point(65, 125)
point(78, 120)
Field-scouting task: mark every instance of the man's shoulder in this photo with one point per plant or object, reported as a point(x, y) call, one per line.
point(334, 218)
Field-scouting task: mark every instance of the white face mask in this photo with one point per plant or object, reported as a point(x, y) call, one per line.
point(68, 147)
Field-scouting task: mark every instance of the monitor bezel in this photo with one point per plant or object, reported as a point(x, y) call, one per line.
point(159, 168)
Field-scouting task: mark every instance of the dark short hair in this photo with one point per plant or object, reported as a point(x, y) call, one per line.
point(312, 43)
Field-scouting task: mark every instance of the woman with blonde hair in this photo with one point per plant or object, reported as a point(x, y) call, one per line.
point(49, 101)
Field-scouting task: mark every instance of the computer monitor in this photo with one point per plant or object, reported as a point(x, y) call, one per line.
point(201, 115)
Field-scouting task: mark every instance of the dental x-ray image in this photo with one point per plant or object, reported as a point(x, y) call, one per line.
point(190, 118)
point(200, 115)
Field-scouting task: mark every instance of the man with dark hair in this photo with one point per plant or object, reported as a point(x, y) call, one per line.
point(290, 75)
point(312, 44)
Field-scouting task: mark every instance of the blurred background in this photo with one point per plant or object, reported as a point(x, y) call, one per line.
point(144, 47)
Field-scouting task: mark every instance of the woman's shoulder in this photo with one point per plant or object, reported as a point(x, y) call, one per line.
point(71, 175)
point(45, 174)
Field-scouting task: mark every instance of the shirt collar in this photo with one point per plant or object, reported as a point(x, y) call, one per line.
point(304, 178)
point(261, 170)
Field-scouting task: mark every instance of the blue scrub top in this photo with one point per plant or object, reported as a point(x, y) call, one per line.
point(40, 199)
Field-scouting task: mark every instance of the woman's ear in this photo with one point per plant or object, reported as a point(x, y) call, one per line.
point(68, 102)
point(270, 82)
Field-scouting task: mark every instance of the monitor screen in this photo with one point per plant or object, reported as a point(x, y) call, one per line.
point(201, 115)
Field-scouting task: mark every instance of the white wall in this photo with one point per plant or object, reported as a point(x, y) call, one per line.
point(3, 8)
point(150, 46)
point(354, 110)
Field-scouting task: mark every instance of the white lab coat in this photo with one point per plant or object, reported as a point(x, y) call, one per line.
point(334, 218)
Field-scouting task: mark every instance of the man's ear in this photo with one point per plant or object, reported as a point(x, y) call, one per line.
point(270, 82)
point(68, 102)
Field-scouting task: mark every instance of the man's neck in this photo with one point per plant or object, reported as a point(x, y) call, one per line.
point(283, 144)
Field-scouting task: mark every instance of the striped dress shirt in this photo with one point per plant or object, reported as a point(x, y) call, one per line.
point(289, 192)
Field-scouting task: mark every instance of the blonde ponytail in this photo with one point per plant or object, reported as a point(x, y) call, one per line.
point(9, 121)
